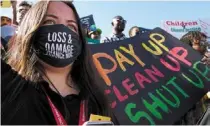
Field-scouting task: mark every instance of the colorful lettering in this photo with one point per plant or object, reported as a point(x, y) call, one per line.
point(172, 82)
point(175, 104)
point(102, 71)
point(140, 114)
point(152, 73)
point(175, 52)
point(170, 67)
point(120, 97)
point(153, 108)
point(141, 79)
point(159, 42)
point(114, 103)
point(198, 84)
point(129, 87)
point(131, 52)
point(157, 51)
point(204, 73)
point(121, 58)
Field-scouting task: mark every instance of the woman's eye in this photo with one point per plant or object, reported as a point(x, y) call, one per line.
point(72, 28)
point(49, 22)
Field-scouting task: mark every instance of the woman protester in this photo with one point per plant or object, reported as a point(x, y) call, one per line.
point(49, 78)
point(197, 40)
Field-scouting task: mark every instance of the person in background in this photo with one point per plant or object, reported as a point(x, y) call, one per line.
point(20, 8)
point(118, 26)
point(134, 31)
point(95, 34)
point(5, 21)
point(49, 77)
point(203, 37)
point(206, 58)
point(7, 31)
point(196, 40)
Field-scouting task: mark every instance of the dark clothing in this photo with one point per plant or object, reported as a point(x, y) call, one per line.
point(25, 102)
point(4, 43)
point(113, 38)
point(193, 116)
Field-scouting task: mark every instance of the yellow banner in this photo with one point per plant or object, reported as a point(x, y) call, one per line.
point(5, 4)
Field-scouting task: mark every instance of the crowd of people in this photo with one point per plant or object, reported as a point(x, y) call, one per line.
point(118, 26)
point(60, 86)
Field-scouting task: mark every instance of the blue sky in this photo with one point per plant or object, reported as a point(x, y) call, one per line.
point(146, 14)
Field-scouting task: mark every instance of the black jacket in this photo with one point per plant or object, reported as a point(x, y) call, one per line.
point(25, 102)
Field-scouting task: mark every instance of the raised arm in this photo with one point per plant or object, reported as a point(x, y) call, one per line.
point(14, 12)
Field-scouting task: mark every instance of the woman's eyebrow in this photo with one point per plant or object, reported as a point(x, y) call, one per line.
point(72, 21)
point(51, 15)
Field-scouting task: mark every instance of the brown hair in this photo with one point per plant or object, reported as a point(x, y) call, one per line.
point(20, 55)
point(191, 36)
point(24, 3)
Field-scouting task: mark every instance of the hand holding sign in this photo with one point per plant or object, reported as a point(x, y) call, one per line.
point(98, 120)
point(206, 59)
point(14, 3)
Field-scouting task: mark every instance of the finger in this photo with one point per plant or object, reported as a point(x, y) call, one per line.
point(204, 59)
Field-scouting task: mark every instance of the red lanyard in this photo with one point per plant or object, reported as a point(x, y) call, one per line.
point(59, 118)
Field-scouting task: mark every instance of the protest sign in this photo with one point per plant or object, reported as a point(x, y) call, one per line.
point(143, 30)
point(5, 4)
point(205, 26)
point(152, 78)
point(87, 21)
point(179, 28)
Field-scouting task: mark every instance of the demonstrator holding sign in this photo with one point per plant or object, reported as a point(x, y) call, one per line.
point(53, 83)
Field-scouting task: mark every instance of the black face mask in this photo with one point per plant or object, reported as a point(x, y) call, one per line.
point(57, 45)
